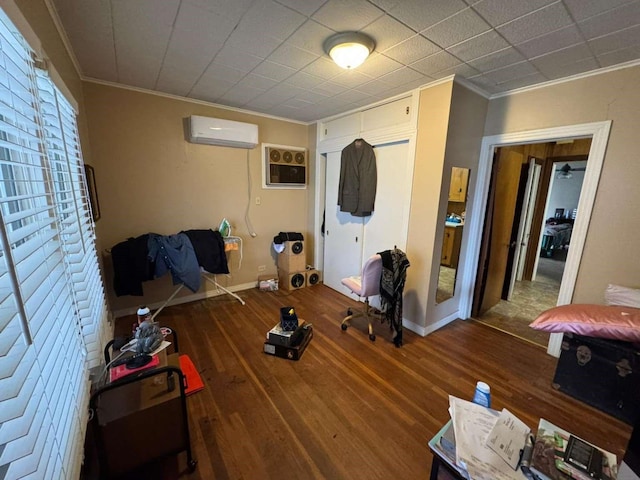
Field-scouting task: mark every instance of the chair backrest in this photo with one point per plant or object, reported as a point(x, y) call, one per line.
point(371, 273)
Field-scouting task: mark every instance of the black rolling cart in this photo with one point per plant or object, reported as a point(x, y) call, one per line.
point(141, 418)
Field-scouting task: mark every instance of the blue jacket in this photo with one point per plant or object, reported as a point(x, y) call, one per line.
point(175, 253)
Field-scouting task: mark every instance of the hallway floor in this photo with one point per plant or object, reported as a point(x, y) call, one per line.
point(529, 300)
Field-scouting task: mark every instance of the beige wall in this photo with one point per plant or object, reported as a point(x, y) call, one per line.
point(611, 253)
point(150, 179)
point(433, 122)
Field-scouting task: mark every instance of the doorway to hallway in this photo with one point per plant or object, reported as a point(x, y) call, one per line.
point(531, 207)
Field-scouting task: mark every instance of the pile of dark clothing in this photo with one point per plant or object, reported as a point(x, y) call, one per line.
point(394, 275)
point(150, 256)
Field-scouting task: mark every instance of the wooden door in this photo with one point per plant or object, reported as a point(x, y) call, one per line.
point(458, 184)
point(507, 179)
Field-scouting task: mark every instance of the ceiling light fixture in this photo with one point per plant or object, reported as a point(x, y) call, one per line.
point(564, 172)
point(349, 49)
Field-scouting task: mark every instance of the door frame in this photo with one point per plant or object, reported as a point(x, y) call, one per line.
point(599, 134)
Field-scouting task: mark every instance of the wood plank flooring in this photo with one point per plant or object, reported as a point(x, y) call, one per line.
point(350, 408)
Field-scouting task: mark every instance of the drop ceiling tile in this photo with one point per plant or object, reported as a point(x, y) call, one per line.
point(239, 96)
point(498, 12)
point(176, 81)
point(257, 81)
point(297, 103)
point(479, 46)
point(347, 15)
point(330, 88)
point(411, 50)
point(305, 7)
point(457, 28)
point(266, 101)
point(435, 63)
point(484, 82)
point(266, 17)
point(619, 56)
point(565, 37)
point(138, 70)
point(418, 14)
point(610, 21)
point(323, 68)
point(90, 31)
point(310, 37)
point(351, 78)
point(291, 56)
point(209, 91)
point(568, 69)
point(583, 9)
point(629, 37)
point(387, 32)
point(217, 71)
point(304, 80)
point(233, 9)
point(377, 65)
point(313, 97)
point(511, 72)
point(552, 61)
point(527, 81)
point(285, 91)
point(386, 4)
point(274, 71)
point(181, 54)
point(353, 96)
point(237, 58)
point(258, 44)
point(374, 87)
point(499, 59)
point(401, 76)
point(463, 70)
point(535, 24)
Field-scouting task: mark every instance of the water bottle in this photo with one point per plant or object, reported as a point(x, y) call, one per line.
point(482, 396)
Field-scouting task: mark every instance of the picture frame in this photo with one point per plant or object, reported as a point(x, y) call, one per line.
point(93, 192)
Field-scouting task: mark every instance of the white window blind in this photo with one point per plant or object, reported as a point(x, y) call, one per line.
point(52, 307)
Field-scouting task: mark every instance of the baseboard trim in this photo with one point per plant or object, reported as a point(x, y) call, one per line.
point(186, 299)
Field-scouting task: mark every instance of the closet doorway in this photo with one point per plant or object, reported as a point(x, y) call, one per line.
point(350, 240)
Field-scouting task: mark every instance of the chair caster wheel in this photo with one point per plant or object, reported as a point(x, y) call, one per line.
point(349, 312)
point(192, 465)
point(372, 338)
point(343, 327)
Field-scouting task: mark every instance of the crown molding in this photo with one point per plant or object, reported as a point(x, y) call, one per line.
point(578, 76)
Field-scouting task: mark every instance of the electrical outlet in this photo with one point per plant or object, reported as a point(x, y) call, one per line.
point(258, 200)
point(262, 268)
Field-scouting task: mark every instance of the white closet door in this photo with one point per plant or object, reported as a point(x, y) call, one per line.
point(387, 226)
point(343, 233)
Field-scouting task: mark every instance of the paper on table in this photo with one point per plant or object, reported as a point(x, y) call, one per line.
point(508, 437)
point(472, 424)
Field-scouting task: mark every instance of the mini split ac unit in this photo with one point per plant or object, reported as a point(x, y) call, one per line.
point(215, 131)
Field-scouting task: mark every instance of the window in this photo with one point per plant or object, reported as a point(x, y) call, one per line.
point(52, 304)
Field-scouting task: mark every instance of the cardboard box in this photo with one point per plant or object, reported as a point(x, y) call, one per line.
point(292, 263)
point(290, 352)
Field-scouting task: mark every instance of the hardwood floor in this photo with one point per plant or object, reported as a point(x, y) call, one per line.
point(350, 408)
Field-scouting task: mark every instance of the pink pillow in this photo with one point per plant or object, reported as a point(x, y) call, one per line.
point(604, 321)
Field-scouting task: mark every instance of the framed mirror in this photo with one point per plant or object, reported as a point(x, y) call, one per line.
point(452, 238)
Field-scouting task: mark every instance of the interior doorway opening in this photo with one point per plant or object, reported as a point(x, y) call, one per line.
point(532, 204)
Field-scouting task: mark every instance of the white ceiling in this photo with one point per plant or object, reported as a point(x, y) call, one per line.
point(266, 55)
